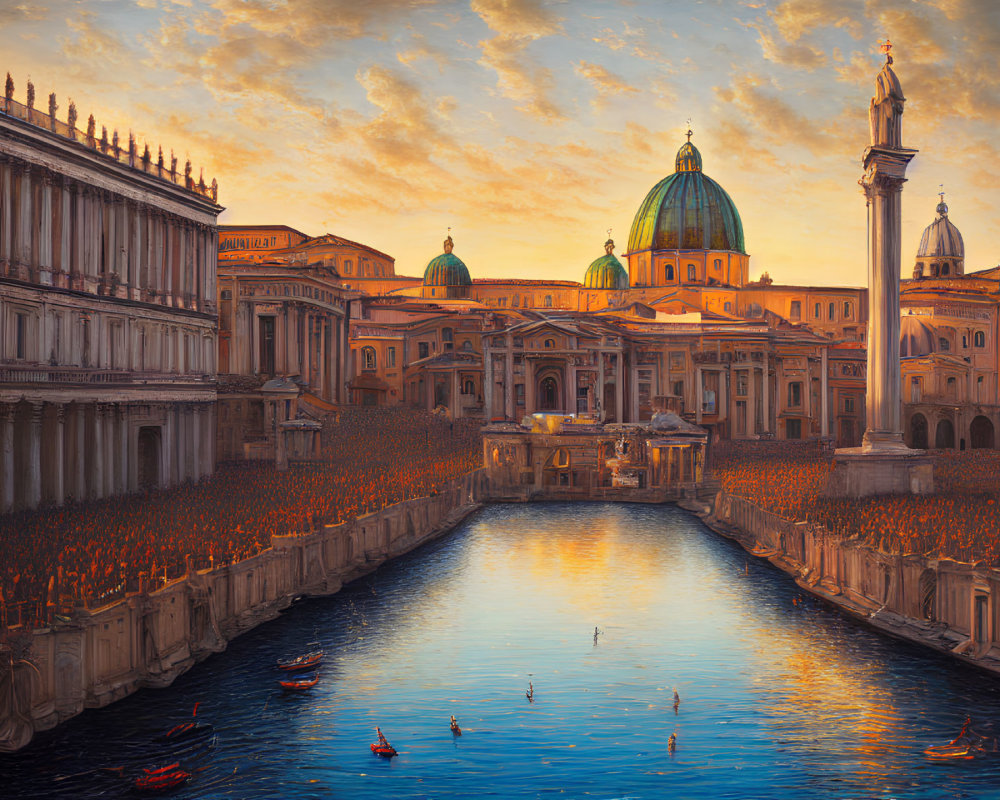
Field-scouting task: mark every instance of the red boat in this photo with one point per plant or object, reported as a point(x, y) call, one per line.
point(161, 780)
point(301, 662)
point(300, 684)
point(382, 746)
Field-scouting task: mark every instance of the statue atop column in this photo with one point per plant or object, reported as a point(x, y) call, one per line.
point(886, 111)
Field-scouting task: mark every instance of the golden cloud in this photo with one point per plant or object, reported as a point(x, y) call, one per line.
point(606, 83)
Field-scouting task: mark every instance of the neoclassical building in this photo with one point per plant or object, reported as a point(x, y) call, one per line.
point(107, 313)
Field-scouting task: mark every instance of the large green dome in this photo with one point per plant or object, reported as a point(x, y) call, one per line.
point(687, 211)
point(447, 269)
point(606, 272)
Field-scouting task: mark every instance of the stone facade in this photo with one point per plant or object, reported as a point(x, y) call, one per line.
point(107, 315)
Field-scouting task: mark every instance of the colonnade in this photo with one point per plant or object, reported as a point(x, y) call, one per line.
point(57, 231)
point(52, 452)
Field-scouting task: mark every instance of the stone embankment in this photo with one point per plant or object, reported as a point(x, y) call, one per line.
point(150, 638)
point(943, 604)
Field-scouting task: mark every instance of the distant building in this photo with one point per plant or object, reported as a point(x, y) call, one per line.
point(108, 347)
point(283, 335)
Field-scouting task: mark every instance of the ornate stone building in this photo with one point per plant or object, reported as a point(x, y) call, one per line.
point(107, 313)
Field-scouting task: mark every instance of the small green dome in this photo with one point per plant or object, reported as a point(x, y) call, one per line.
point(447, 269)
point(687, 211)
point(606, 272)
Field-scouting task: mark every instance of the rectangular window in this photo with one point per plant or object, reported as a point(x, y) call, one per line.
point(817, 311)
point(423, 350)
point(741, 383)
point(848, 405)
point(847, 310)
point(20, 336)
point(794, 394)
point(832, 312)
point(793, 429)
point(519, 394)
point(390, 357)
point(796, 310)
point(915, 390)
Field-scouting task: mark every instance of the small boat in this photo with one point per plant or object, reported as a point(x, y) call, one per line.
point(299, 684)
point(185, 731)
point(382, 746)
point(301, 662)
point(949, 752)
point(457, 731)
point(161, 780)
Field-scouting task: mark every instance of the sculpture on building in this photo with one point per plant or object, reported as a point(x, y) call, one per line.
point(71, 119)
point(8, 91)
point(31, 96)
point(449, 245)
point(53, 107)
point(886, 110)
point(91, 130)
point(188, 183)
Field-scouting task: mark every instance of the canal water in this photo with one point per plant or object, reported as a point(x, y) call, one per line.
point(778, 698)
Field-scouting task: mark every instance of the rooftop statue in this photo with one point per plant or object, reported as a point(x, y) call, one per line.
point(609, 246)
point(886, 111)
point(449, 245)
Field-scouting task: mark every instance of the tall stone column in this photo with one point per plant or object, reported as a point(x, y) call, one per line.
point(6, 458)
point(33, 460)
point(824, 423)
point(885, 163)
point(883, 464)
point(487, 381)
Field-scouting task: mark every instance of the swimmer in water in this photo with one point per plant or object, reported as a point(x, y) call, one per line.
point(672, 742)
point(454, 726)
point(530, 694)
point(677, 701)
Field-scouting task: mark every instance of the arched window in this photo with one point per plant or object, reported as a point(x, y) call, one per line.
point(980, 339)
point(560, 459)
point(368, 360)
point(817, 311)
point(550, 344)
point(692, 272)
point(670, 272)
point(832, 312)
point(468, 387)
point(728, 307)
point(848, 310)
point(718, 265)
point(467, 346)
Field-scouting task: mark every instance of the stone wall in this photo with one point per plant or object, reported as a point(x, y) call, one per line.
point(150, 638)
point(944, 604)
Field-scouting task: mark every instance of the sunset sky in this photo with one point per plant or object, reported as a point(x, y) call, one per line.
point(530, 128)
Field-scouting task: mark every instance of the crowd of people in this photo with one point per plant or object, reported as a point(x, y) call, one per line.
point(959, 521)
point(94, 552)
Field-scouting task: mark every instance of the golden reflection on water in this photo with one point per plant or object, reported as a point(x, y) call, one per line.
point(817, 696)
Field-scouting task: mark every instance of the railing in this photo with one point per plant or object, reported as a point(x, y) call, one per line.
point(25, 373)
point(128, 155)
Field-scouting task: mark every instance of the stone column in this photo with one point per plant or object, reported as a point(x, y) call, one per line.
point(699, 394)
point(530, 401)
point(77, 459)
point(45, 234)
point(824, 407)
point(22, 249)
point(56, 443)
point(509, 379)
point(885, 163)
point(487, 381)
point(6, 458)
point(456, 405)
point(6, 212)
point(751, 426)
point(766, 392)
point(33, 462)
point(599, 400)
point(96, 481)
point(619, 386)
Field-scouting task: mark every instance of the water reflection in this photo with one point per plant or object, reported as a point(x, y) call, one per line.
point(777, 699)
